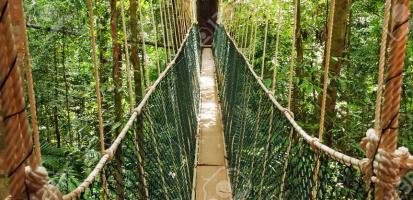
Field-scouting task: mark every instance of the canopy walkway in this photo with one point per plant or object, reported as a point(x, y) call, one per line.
point(210, 129)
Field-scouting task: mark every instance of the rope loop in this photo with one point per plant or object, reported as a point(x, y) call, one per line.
point(369, 145)
point(312, 144)
point(110, 153)
point(388, 172)
point(385, 169)
point(286, 110)
point(38, 185)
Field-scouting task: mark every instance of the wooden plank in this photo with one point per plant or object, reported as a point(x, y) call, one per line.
point(212, 181)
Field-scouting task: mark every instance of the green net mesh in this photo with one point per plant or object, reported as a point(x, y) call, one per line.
point(165, 142)
point(262, 150)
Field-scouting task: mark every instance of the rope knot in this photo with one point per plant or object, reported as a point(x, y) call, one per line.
point(110, 153)
point(38, 184)
point(369, 146)
point(384, 168)
point(312, 143)
point(286, 110)
point(387, 170)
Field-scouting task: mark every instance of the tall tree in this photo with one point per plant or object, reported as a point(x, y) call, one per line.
point(117, 80)
point(296, 96)
point(56, 95)
point(134, 51)
point(137, 74)
point(69, 134)
point(341, 14)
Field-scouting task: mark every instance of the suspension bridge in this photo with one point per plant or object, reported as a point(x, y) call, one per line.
point(211, 129)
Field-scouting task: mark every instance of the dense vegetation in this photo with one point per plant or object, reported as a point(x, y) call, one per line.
point(59, 39)
point(353, 69)
point(61, 56)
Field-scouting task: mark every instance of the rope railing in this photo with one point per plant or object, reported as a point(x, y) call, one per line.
point(188, 43)
point(313, 141)
point(340, 174)
point(385, 165)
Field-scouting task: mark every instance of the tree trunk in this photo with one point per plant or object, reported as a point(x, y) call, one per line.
point(137, 74)
point(55, 110)
point(117, 80)
point(341, 13)
point(101, 27)
point(176, 26)
point(296, 96)
point(134, 51)
point(69, 134)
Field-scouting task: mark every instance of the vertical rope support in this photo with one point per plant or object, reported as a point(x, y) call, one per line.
point(245, 41)
point(143, 42)
point(254, 47)
point(242, 35)
point(176, 14)
point(97, 88)
point(181, 12)
point(324, 98)
point(370, 152)
point(14, 129)
point(292, 65)
point(277, 47)
point(388, 178)
point(194, 12)
point(265, 48)
point(220, 12)
point(165, 37)
point(290, 89)
point(127, 58)
point(172, 26)
point(273, 86)
point(19, 18)
point(156, 36)
point(252, 42)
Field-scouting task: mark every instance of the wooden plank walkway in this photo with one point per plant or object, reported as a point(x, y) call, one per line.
point(212, 181)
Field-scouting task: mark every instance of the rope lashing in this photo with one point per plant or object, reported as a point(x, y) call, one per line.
point(369, 145)
point(372, 148)
point(152, 94)
point(389, 163)
point(38, 185)
point(391, 167)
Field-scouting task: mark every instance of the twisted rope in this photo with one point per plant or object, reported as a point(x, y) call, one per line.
point(390, 164)
point(385, 164)
point(313, 141)
point(97, 90)
point(127, 57)
point(264, 48)
point(17, 145)
point(39, 188)
point(324, 98)
point(109, 153)
point(370, 142)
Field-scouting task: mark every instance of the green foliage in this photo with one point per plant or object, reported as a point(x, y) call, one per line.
point(357, 83)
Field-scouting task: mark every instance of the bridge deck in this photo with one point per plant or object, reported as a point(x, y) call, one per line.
point(212, 181)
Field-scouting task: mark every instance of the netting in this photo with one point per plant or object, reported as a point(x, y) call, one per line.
point(266, 159)
point(157, 162)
